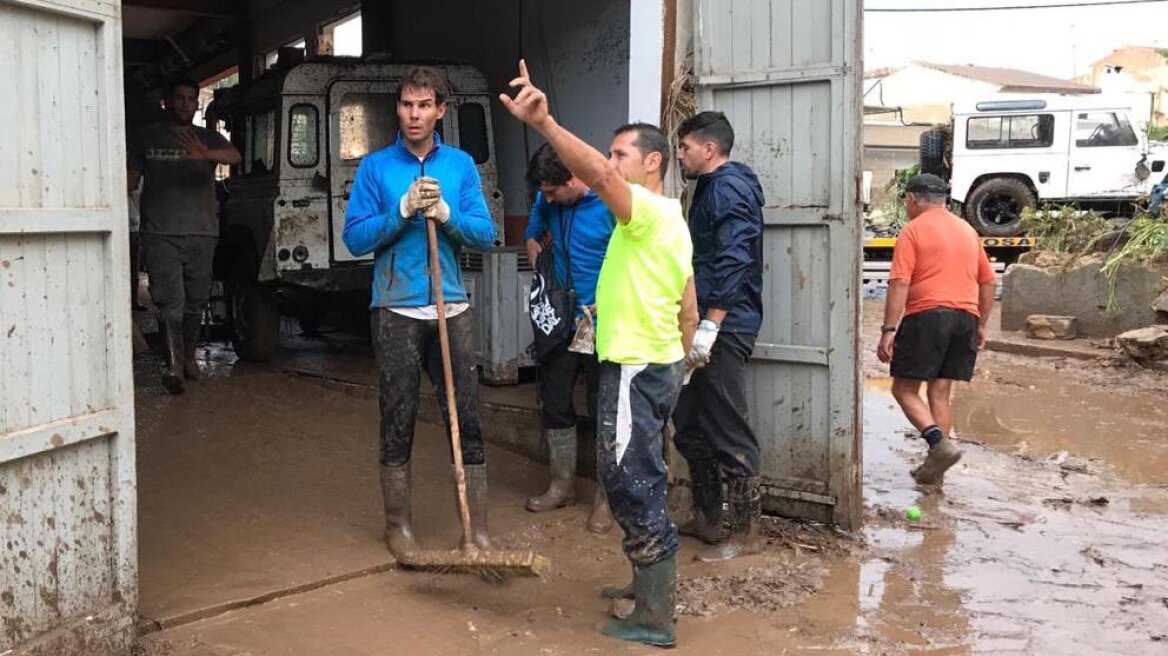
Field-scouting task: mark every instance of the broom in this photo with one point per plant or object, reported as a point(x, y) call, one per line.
point(468, 558)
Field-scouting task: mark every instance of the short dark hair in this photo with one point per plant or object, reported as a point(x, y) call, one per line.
point(178, 82)
point(709, 126)
point(427, 77)
point(650, 139)
point(546, 167)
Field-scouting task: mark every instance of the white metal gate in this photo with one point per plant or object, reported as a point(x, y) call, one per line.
point(68, 572)
point(787, 75)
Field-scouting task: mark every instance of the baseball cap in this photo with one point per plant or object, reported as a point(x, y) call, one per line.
point(926, 183)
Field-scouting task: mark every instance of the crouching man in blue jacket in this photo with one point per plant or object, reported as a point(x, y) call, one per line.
point(712, 423)
point(396, 190)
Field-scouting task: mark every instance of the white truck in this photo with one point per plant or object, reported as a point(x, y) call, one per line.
point(303, 129)
point(1011, 152)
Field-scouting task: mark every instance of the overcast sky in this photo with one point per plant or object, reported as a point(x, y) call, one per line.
point(1060, 42)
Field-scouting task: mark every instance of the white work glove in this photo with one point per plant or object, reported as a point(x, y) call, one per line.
point(422, 194)
point(703, 343)
point(439, 212)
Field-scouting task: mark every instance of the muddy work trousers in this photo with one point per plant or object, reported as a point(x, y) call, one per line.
point(634, 405)
point(712, 419)
point(180, 277)
point(403, 347)
point(557, 387)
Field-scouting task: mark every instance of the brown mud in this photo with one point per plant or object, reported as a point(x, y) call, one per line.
point(256, 482)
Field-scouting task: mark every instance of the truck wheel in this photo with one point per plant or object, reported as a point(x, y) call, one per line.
point(255, 321)
point(995, 207)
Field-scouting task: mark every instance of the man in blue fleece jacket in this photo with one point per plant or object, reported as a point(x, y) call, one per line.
point(580, 225)
point(396, 190)
point(712, 422)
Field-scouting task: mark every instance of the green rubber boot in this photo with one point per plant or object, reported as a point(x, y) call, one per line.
point(651, 623)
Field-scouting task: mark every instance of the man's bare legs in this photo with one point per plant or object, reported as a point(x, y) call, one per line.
point(934, 419)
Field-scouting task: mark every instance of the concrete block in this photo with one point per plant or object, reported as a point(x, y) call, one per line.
point(1046, 326)
point(1082, 291)
point(1145, 344)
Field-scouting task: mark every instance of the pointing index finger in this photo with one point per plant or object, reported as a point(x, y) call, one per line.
point(523, 69)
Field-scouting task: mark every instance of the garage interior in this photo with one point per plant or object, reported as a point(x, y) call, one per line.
point(271, 498)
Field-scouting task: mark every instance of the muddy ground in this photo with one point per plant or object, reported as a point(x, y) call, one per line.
point(260, 531)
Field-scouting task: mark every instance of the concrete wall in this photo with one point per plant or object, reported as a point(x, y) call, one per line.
point(1082, 292)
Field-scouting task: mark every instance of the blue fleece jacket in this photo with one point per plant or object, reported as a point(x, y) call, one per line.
point(725, 222)
point(590, 226)
point(373, 223)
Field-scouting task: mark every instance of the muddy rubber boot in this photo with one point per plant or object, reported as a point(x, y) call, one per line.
point(191, 331)
point(600, 519)
point(395, 491)
point(652, 620)
point(476, 498)
point(942, 456)
point(707, 522)
point(745, 513)
point(172, 377)
point(561, 490)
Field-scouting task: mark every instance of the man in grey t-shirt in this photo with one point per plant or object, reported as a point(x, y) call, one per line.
point(176, 161)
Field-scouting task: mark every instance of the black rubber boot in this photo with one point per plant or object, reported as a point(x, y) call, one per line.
point(172, 377)
point(395, 491)
point(651, 623)
point(707, 523)
point(192, 329)
point(476, 497)
point(745, 513)
point(561, 490)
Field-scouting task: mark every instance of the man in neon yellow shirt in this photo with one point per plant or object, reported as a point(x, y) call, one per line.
point(647, 313)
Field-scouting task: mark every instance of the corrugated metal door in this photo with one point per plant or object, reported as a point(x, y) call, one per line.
point(68, 573)
point(786, 73)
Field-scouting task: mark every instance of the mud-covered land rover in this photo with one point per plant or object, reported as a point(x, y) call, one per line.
point(303, 130)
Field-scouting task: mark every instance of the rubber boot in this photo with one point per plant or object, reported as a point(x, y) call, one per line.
point(600, 519)
point(745, 513)
point(651, 622)
point(172, 377)
point(942, 456)
point(192, 328)
point(476, 497)
point(561, 490)
point(708, 497)
point(395, 492)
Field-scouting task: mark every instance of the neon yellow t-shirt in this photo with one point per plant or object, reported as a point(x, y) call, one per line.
point(638, 295)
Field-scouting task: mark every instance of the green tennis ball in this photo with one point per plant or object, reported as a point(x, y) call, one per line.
point(912, 513)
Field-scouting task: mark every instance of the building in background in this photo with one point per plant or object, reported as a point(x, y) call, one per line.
point(1138, 71)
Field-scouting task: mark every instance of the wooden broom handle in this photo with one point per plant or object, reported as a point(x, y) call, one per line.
point(448, 379)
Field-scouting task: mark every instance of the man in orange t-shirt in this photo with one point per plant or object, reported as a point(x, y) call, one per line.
point(940, 293)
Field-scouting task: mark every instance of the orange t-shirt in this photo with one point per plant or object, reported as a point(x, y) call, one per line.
point(941, 258)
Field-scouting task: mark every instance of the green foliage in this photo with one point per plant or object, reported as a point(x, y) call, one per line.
point(1064, 229)
point(1147, 243)
point(1158, 133)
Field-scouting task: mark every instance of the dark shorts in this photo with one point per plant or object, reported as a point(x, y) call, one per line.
point(940, 343)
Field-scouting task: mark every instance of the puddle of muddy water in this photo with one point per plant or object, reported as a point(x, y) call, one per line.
point(990, 567)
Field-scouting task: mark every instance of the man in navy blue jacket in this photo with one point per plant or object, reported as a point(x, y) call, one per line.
point(396, 190)
point(580, 225)
point(712, 423)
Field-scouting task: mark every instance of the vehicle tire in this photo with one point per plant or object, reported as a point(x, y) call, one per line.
point(995, 207)
point(933, 145)
point(255, 320)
